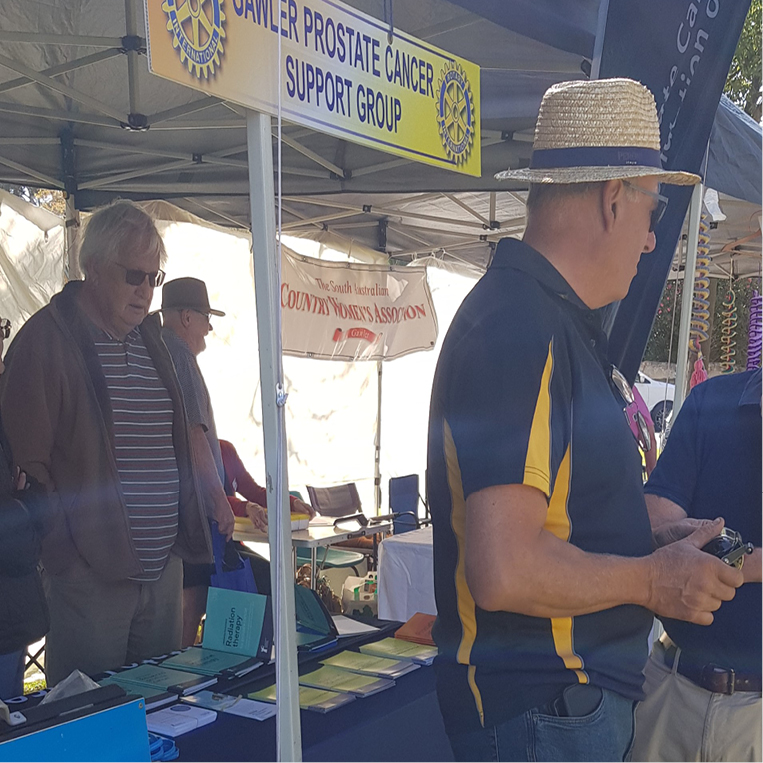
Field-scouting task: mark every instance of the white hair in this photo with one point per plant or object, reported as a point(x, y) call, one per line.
point(111, 229)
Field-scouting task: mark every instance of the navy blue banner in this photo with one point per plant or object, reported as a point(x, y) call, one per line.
point(681, 50)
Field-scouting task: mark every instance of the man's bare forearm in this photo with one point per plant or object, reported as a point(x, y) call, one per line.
point(514, 564)
point(552, 578)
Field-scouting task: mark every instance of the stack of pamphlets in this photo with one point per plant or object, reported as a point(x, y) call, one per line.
point(418, 629)
point(160, 679)
point(153, 698)
point(396, 649)
point(317, 700)
point(210, 662)
point(369, 665)
point(223, 703)
point(336, 679)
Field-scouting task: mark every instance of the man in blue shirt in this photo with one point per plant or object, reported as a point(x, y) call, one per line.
point(703, 684)
point(543, 573)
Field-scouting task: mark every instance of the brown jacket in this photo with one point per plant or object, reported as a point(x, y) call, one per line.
point(57, 415)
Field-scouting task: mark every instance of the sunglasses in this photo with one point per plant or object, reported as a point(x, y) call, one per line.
point(658, 211)
point(5, 327)
point(136, 277)
point(623, 389)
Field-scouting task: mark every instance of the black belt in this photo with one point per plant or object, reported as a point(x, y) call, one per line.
point(713, 678)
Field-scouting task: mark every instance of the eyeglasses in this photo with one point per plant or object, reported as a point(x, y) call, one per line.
point(5, 327)
point(620, 384)
point(136, 277)
point(658, 211)
point(208, 316)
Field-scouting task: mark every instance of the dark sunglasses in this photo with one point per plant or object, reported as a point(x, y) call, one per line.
point(136, 277)
point(658, 211)
point(5, 327)
point(623, 389)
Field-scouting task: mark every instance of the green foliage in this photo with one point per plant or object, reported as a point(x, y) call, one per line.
point(668, 319)
point(744, 79)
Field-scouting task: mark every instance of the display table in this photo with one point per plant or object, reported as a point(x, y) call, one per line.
point(401, 724)
point(314, 537)
point(406, 575)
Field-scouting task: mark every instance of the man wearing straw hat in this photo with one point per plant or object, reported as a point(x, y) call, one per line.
point(545, 573)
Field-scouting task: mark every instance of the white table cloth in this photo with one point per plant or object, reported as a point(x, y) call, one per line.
point(406, 575)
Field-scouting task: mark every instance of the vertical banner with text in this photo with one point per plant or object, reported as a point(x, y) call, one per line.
point(343, 311)
point(342, 73)
point(681, 50)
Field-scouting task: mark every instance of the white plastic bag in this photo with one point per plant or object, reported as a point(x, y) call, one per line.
point(75, 683)
point(360, 595)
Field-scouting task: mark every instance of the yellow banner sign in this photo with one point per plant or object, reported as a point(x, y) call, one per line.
point(340, 73)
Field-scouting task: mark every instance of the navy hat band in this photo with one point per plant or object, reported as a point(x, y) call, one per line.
point(595, 156)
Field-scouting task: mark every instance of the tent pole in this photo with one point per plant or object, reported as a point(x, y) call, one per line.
point(267, 291)
point(598, 45)
point(682, 358)
point(377, 445)
point(133, 87)
point(71, 233)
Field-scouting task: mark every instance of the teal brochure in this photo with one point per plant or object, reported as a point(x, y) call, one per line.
point(315, 626)
point(211, 662)
point(165, 679)
point(238, 622)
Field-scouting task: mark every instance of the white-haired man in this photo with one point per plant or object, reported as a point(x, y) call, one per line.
point(93, 410)
point(545, 573)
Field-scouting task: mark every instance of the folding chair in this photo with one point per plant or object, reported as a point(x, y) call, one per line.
point(337, 501)
point(404, 500)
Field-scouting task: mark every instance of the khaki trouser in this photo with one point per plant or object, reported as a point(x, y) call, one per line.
point(97, 625)
point(680, 721)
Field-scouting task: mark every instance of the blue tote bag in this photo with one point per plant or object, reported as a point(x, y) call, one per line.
point(231, 570)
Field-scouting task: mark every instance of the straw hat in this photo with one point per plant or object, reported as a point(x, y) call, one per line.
point(603, 129)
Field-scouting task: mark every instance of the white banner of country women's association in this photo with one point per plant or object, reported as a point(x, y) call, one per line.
point(346, 311)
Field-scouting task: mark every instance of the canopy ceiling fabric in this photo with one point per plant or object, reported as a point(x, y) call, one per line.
point(74, 88)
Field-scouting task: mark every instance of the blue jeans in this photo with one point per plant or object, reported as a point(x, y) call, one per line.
point(604, 734)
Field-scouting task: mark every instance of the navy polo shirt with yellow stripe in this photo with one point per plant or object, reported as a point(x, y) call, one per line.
point(522, 396)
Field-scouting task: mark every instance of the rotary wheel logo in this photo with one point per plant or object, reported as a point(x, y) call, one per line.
point(197, 32)
point(455, 113)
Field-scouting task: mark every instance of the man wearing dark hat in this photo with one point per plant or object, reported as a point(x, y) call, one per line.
point(545, 574)
point(187, 321)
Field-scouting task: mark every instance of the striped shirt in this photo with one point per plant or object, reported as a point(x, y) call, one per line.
point(143, 447)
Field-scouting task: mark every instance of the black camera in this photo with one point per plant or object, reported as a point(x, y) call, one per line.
point(729, 548)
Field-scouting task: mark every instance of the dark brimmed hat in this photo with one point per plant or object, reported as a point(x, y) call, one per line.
point(589, 131)
point(187, 294)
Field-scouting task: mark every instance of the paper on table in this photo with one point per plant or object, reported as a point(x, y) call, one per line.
point(318, 700)
point(319, 521)
point(336, 679)
point(246, 708)
point(371, 665)
point(349, 627)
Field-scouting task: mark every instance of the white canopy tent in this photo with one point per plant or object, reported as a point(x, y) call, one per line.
point(67, 126)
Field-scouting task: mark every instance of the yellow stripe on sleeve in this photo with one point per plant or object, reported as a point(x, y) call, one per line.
point(558, 524)
point(464, 601)
point(538, 460)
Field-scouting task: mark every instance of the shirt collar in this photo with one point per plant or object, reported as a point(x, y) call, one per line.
point(98, 333)
point(517, 255)
point(752, 390)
